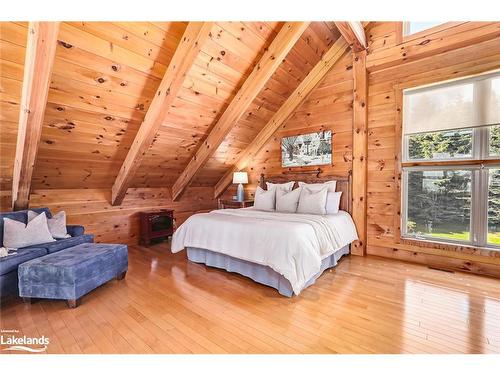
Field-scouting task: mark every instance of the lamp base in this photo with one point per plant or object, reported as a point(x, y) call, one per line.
point(240, 195)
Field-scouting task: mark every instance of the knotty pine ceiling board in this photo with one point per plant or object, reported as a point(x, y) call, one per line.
point(104, 78)
point(308, 50)
point(224, 63)
point(13, 37)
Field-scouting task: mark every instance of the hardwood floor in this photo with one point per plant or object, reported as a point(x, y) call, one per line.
point(365, 305)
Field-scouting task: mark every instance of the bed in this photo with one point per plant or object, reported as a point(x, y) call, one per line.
point(287, 252)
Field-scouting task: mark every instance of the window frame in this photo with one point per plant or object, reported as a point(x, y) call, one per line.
point(401, 37)
point(479, 163)
point(478, 225)
point(406, 29)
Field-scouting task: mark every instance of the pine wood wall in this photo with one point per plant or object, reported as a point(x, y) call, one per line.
point(117, 224)
point(383, 195)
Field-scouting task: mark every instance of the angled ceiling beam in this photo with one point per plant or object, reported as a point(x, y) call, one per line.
point(269, 62)
point(189, 46)
point(38, 63)
point(354, 34)
point(285, 111)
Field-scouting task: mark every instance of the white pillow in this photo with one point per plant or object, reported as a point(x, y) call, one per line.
point(332, 185)
point(333, 202)
point(287, 201)
point(287, 186)
point(16, 234)
point(312, 202)
point(57, 224)
point(265, 200)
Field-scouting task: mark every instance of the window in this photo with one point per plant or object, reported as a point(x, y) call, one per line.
point(415, 27)
point(451, 162)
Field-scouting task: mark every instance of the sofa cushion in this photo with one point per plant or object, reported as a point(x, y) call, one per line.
point(53, 247)
point(21, 216)
point(11, 262)
point(17, 235)
point(57, 225)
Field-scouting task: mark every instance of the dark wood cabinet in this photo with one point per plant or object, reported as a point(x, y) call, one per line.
point(156, 224)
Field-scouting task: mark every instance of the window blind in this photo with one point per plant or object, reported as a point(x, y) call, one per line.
point(466, 103)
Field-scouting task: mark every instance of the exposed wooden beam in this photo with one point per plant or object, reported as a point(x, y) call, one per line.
point(354, 34)
point(458, 35)
point(360, 150)
point(263, 70)
point(38, 62)
point(285, 111)
point(189, 46)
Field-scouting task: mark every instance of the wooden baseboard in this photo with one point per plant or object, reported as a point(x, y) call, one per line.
point(436, 261)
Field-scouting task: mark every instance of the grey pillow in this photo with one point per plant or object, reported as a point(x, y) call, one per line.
point(287, 186)
point(57, 224)
point(17, 234)
point(265, 200)
point(331, 185)
point(287, 201)
point(312, 202)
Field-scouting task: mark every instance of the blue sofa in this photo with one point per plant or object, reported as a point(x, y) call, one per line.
point(9, 264)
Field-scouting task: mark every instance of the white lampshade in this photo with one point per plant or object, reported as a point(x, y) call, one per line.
point(240, 178)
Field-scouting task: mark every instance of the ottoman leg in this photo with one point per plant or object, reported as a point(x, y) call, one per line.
point(28, 300)
point(73, 303)
point(121, 276)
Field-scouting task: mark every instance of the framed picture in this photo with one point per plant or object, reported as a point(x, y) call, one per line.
point(307, 149)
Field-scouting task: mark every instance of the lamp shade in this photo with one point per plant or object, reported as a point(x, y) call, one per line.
point(240, 178)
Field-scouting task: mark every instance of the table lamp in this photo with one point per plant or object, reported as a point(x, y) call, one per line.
point(240, 178)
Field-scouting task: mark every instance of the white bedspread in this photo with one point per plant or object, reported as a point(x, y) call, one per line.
point(291, 244)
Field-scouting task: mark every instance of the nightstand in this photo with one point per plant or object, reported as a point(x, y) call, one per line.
point(227, 203)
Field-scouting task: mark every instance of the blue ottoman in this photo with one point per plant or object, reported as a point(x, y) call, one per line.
point(71, 273)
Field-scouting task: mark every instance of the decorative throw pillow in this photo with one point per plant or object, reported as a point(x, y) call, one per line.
point(265, 200)
point(312, 202)
point(57, 224)
point(332, 185)
point(333, 202)
point(287, 201)
point(287, 186)
point(17, 234)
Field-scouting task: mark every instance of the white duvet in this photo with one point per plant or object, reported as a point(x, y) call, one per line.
point(291, 244)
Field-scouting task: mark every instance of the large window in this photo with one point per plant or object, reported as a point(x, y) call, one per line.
point(451, 162)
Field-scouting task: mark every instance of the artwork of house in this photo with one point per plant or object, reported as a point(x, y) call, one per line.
point(307, 149)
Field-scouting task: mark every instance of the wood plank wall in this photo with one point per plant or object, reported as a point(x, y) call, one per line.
point(116, 224)
point(384, 142)
point(328, 107)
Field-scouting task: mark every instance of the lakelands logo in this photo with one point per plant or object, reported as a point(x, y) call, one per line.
point(13, 341)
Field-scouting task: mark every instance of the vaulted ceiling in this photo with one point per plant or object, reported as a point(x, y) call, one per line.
point(104, 77)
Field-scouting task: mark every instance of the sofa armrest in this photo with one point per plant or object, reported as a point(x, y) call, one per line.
point(75, 230)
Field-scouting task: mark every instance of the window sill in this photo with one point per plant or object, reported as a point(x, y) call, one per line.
point(449, 245)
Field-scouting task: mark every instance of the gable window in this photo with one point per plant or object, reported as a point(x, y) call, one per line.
point(451, 162)
point(410, 28)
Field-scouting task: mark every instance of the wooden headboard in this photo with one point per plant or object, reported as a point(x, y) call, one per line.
point(344, 183)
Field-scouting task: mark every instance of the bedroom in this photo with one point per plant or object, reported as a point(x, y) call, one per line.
point(250, 187)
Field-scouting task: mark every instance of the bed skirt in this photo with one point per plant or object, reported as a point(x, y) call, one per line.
point(257, 272)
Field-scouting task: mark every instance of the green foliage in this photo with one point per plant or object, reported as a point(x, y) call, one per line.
point(441, 202)
point(424, 146)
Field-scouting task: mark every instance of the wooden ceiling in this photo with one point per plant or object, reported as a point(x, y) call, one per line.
point(104, 78)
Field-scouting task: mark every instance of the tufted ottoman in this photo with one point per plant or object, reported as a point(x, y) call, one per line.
point(71, 273)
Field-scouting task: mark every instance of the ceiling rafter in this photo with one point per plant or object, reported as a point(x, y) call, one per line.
point(262, 72)
point(354, 34)
point(285, 111)
point(194, 36)
point(39, 60)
